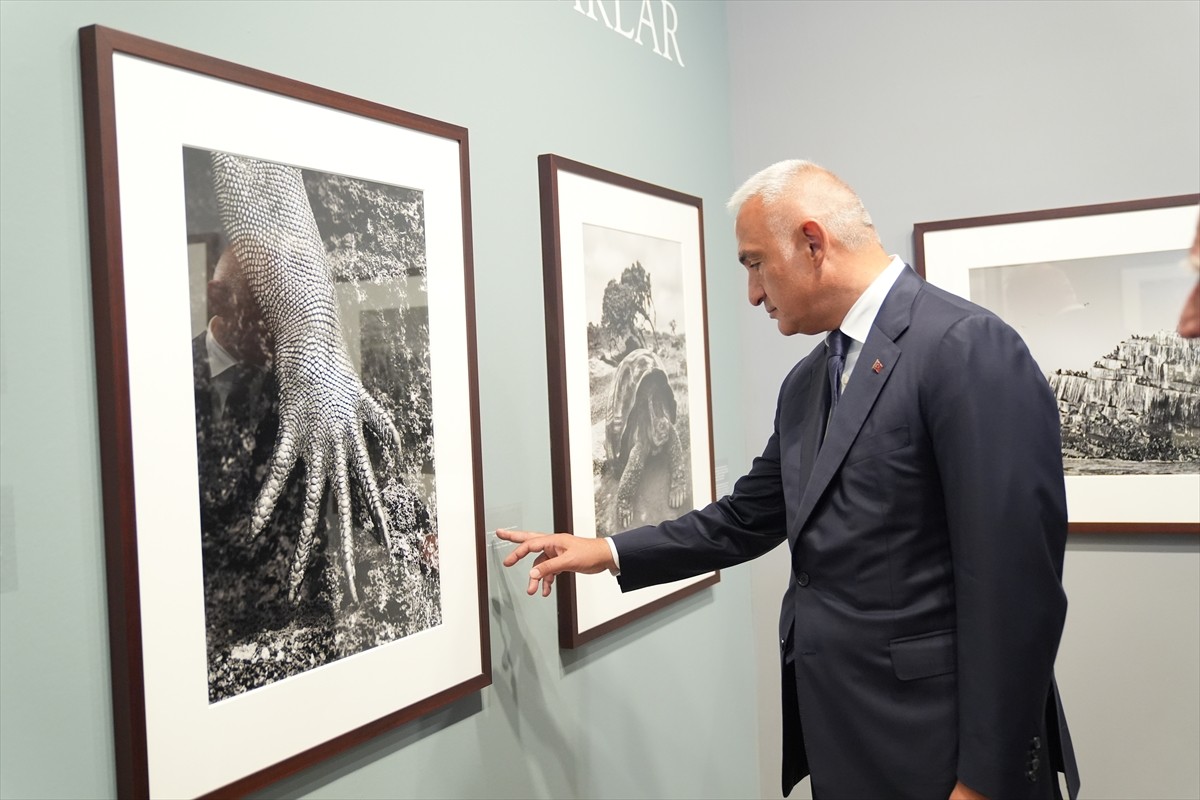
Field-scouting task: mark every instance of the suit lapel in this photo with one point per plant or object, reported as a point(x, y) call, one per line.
point(860, 393)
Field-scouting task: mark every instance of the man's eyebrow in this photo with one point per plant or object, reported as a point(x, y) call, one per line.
point(745, 255)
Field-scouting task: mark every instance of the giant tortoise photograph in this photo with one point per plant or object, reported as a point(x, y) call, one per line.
point(637, 367)
point(640, 432)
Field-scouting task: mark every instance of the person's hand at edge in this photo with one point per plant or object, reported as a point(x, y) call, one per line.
point(558, 552)
point(963, 792)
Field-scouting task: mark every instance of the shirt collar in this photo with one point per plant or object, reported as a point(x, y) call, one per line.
point(219, 359)
point(861, 316)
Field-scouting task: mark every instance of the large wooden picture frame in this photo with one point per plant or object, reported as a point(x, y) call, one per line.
point(627, 344)
point(1096, 293)
point(288, 405)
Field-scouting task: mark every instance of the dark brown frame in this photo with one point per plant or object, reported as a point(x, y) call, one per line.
point(922, 228)
point(549, 166)
point(98, 45)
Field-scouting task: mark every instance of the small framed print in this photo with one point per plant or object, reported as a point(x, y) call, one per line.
point(627, 342)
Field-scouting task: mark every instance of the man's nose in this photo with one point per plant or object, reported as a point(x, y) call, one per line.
point(754, 288)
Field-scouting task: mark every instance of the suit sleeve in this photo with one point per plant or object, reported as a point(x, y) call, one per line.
point(995, 429)
point(739, 527)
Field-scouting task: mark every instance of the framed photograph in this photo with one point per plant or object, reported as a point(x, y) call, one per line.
point(1096, 293)
point(627, 344)
point(289, 416)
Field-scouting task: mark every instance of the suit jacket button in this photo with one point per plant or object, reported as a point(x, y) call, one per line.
point(802, 579)
point(1035, 743)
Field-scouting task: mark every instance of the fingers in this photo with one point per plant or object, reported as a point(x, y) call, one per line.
point(341, 483)
point(380, 424)
point(513, 535)
point(534, 582)
point(546, 572)
point(283, 458)
point(547, 582)
point(314, 487)
point(548, 564)
point(529, 543)
point(366, 477)
point(559, 555)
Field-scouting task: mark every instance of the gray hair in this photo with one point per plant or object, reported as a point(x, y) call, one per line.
point(827, 197)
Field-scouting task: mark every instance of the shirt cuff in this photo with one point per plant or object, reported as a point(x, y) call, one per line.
point(612, 546)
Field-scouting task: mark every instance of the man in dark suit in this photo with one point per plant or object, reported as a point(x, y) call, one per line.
point(915, 472)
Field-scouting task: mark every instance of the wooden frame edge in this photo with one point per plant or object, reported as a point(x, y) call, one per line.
point(112, 392)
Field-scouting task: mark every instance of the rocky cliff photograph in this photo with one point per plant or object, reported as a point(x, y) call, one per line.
point(1102, 330)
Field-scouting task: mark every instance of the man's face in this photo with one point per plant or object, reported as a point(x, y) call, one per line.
point(780, 277)
point(239, 326)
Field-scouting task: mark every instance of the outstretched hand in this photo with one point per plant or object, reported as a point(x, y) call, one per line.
point(558, 552)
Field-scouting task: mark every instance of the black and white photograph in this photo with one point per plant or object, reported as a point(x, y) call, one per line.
point(283, 298)
point(1103, 332)
point(314, 430)
point(637, 364)
point(1095, 292)
point(627, 352)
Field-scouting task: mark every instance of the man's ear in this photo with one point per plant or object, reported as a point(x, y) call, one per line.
point(812, 237)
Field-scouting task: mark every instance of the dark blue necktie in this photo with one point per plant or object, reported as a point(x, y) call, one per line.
point(837, 343)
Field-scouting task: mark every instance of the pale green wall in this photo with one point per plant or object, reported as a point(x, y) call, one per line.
point(639, 713)
point(934, 110)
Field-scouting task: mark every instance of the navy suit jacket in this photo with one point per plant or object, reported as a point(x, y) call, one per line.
point(919, 628)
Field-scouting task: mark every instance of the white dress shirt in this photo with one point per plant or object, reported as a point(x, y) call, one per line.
point(219, 362)
point(861, 316)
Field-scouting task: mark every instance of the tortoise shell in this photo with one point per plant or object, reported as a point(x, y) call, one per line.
point(639, 376)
